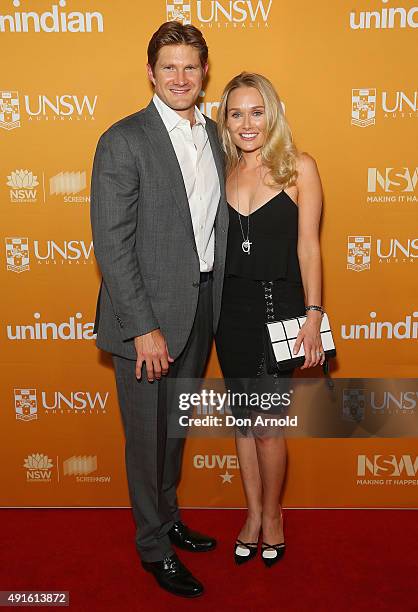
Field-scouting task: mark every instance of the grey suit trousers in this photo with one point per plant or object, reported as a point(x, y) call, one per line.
point(153, 460)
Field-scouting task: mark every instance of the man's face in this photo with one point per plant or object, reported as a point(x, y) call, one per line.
point(178, 76)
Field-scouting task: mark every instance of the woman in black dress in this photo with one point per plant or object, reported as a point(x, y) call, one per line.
point(273, 271)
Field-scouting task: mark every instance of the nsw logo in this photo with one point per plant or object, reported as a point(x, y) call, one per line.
point(38, 468)
point(22, 183)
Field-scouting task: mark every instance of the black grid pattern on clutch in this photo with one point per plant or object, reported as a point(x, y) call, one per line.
point(283, 336)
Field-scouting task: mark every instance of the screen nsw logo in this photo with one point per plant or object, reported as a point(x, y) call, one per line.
point(80, 468)
point(232, 14)
point(66, 186)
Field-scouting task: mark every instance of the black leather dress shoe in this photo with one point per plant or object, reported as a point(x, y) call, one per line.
point(183, 537)
point(173, 576)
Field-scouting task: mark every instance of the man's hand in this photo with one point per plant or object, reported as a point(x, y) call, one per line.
point(152, 348)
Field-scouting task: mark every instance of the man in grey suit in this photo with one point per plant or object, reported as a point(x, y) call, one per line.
point(159, 220)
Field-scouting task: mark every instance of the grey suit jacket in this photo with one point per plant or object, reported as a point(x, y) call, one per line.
point(143, 236)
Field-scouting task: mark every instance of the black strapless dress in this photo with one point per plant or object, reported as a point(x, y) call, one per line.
point(262, 286)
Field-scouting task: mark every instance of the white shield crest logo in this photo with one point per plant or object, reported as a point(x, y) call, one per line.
point(17, 254)
point(177, 10)
point(363, 107)
point(9, 110)
point(26, 405)
point(358, 253)
point(354, 403)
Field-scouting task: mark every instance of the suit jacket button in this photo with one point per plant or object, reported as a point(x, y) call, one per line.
point(196, 284)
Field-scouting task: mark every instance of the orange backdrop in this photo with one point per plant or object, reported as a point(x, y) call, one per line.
point(346, 77)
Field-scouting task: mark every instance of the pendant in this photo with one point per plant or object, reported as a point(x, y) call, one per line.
point(246, 246)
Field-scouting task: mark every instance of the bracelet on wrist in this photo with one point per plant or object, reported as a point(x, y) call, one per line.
point(314, 307)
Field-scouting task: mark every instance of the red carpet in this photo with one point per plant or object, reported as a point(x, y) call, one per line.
point(336, 560)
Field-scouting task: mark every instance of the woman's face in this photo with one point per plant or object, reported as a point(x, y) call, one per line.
point(246, 118)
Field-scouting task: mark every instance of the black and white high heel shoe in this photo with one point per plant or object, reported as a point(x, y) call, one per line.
point(271, 553)
point(244, 551)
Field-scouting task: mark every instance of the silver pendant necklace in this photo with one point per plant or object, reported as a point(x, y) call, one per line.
point(246, 244)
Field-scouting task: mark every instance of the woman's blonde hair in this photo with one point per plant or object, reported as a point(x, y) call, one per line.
point(278, 153)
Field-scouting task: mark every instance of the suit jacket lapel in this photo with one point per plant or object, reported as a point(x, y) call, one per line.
point(159, 136)
point(217, 155)
point(222, 214)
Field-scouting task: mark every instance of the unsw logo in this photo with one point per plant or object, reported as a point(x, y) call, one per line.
point(220, 13)
point(29, 403)
point(48, 252)
point(356, 402)
point(395, 105)
point(390, 250)
point(61, 107)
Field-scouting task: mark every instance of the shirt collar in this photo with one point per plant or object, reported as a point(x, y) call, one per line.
point(171, 119)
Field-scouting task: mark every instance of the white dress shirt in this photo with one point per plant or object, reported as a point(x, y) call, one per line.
point(192, 147)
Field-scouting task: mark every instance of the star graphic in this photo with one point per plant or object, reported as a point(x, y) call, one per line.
point(226, 477)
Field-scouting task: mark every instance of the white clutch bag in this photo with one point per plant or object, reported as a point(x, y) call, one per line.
point(280, 340)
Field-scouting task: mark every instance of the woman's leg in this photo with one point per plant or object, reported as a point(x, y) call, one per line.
point(271, 453)
point(251, 481)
